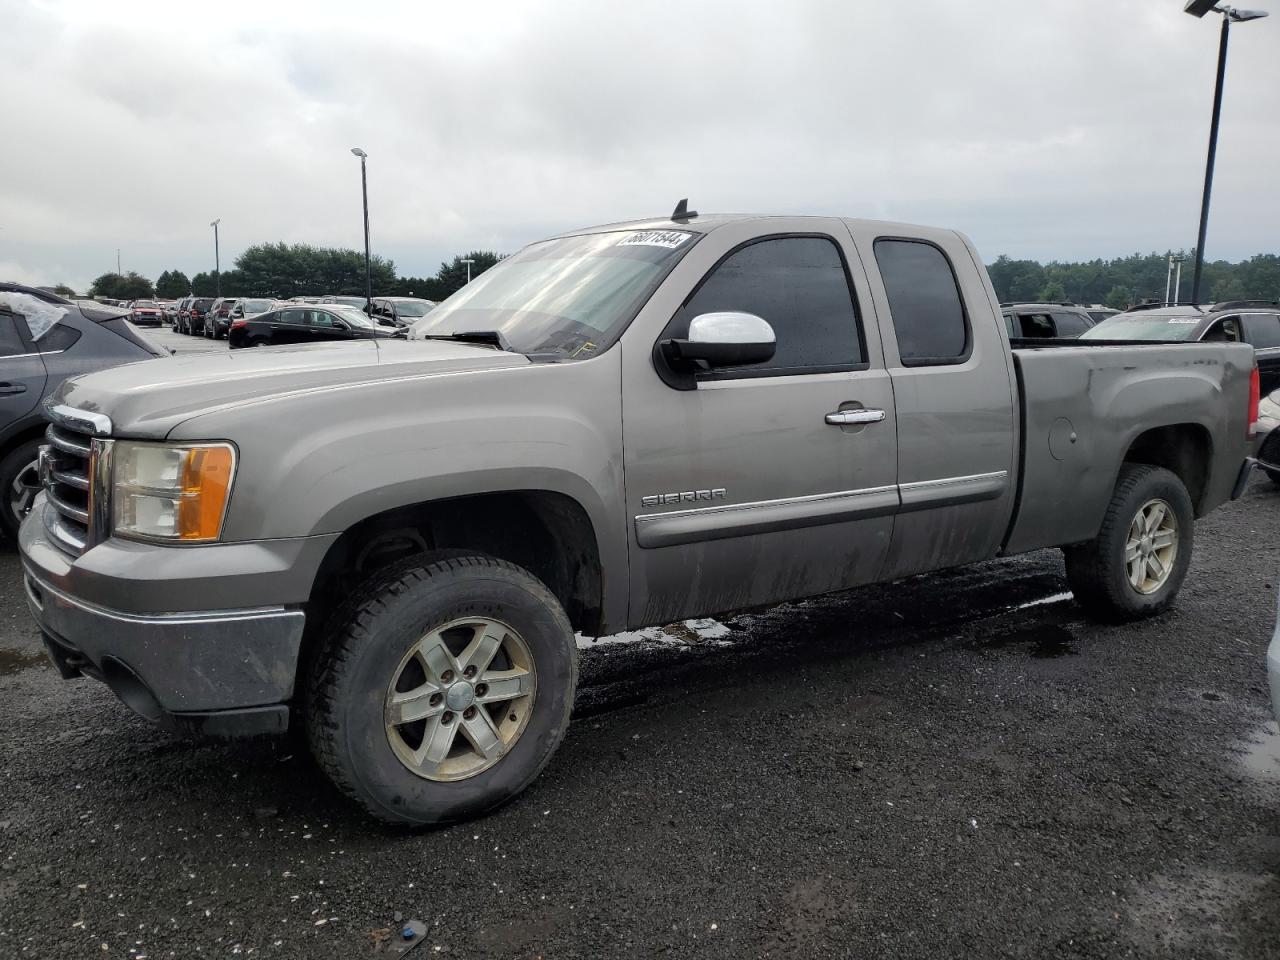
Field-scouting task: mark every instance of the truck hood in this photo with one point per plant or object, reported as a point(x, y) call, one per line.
point(150, 398)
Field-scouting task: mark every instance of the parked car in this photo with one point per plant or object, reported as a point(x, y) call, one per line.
point(1098, 314)
point(193, 318)
point(424, 523)
point(171, 311)
point(401, 311)
point(1256, 322)
point(146, 313)
point(248, 308)
point(348, 301)
point(1032, 321)
point(218, 321)
point(304, 324)
point(43, 340)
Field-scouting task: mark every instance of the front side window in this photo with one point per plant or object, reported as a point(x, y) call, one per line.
point(928, 315)
point(799, 286)
point(1070, 324)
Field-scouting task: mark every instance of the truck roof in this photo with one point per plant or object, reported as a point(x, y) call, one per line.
point(707, 222)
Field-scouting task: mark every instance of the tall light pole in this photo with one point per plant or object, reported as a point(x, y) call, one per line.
point(468, 263)
point(364, 192)
point(217, 264)
point(1198, 8)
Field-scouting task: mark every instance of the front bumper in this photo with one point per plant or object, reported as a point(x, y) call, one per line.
point(221, 668)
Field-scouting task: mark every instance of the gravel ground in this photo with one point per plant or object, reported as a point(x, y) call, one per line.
point(957, 765)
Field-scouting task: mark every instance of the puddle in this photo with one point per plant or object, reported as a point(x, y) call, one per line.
point(1045, 641)
point(1262, 752)
point(15, 661)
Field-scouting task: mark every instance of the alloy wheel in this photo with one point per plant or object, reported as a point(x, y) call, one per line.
point(1151, 547)
point(460, 699)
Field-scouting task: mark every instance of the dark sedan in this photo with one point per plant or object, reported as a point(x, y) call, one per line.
point(305, 324)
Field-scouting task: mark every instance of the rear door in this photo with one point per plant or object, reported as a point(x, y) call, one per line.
point(954, 393)
point(1263, 331)
point(22, 372)
point(290, 326)
point(749, 489)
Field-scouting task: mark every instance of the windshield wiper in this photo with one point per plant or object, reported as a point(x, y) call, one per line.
point(493, 338)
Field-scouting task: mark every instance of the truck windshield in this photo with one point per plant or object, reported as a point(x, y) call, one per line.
point(1145, 326)
point(564, 299)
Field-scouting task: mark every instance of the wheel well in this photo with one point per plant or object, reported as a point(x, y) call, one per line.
point(1185, 449)
point(549, 534)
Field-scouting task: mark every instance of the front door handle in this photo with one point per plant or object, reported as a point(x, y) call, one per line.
point(843, 418)
point(12, 388)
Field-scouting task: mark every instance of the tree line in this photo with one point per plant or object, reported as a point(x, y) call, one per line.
point(283, 270)
point(1128, 280)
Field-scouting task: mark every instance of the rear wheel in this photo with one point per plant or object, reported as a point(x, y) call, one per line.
point(1136, 565)
point(442, 689)
point(20, 480)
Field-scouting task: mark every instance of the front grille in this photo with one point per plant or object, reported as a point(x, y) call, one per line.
point(66, 478)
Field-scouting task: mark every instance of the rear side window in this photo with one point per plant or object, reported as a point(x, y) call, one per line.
point(799, 286)
point(1070, 324)
point(1262, 330)
point(1036, 325)
point(928, 315)
point(59, 337)
point(10, 343)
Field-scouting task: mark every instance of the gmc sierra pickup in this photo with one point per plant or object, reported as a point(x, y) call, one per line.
point(392, 542)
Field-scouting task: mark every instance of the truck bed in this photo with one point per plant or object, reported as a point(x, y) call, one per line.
point(1083, 406)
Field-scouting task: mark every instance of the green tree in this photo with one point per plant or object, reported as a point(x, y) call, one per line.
point(63, 290)
point(298, 269)
point(453, 275)
point(203, 285)
point(1119, 298)
point(1053, 292)
point(172, 285)
point(130, 286)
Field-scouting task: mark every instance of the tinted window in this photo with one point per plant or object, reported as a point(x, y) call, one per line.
point(298, 317)
point(798, 285)
point(928, 316)
point(1070, 324)
point(58, 337)
point(321, 318)
point(10, 342)
point(1262, 330)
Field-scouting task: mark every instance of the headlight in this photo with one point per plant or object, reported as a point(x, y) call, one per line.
point(170, 492)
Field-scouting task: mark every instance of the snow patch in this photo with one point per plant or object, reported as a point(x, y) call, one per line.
point(683, 634)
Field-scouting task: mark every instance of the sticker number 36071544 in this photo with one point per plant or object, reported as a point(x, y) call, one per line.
point(655, 238)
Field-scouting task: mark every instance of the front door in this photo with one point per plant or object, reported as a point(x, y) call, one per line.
point(759, 484)
point(953, 383)
point(22, 370)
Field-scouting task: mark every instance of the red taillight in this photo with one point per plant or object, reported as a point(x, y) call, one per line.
point(237, 324)
point(1255, 397)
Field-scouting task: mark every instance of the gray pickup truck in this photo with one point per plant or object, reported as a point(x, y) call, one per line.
point(393, 542)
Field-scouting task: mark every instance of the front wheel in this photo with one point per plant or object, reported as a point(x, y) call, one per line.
point(443, 689)
point(20, 480)
point(1134, 568)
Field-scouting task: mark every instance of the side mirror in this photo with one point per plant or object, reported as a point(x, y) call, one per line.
point(727, 339)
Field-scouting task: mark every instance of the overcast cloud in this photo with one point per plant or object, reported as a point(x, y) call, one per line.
point(1059, 129)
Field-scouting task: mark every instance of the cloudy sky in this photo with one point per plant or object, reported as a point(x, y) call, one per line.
point(1050, 129)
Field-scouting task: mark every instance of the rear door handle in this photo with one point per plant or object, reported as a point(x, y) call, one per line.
point(12, 388)
point(843, 418)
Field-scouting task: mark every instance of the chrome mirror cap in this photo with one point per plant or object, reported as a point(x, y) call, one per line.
point(730, 326)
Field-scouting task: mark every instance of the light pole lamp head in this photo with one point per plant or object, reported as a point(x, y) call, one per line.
point(1198, 8)
point(214, 223)
point(358, 152)
point(1240, 16)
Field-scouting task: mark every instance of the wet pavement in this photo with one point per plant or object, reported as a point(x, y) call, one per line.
point(956, 765)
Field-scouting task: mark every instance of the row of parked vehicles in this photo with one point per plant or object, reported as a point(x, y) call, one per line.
point(261, 321)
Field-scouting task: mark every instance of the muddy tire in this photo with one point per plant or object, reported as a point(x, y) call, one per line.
point(442, 688)
point(20, 482)
point(1136, 565)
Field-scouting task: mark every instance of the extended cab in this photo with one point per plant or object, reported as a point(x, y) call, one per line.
point(394, 541)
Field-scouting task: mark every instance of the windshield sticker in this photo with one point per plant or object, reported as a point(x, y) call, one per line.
point(1184, 320)
point(655, 238)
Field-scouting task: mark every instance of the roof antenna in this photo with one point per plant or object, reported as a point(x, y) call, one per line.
point(682, 212)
